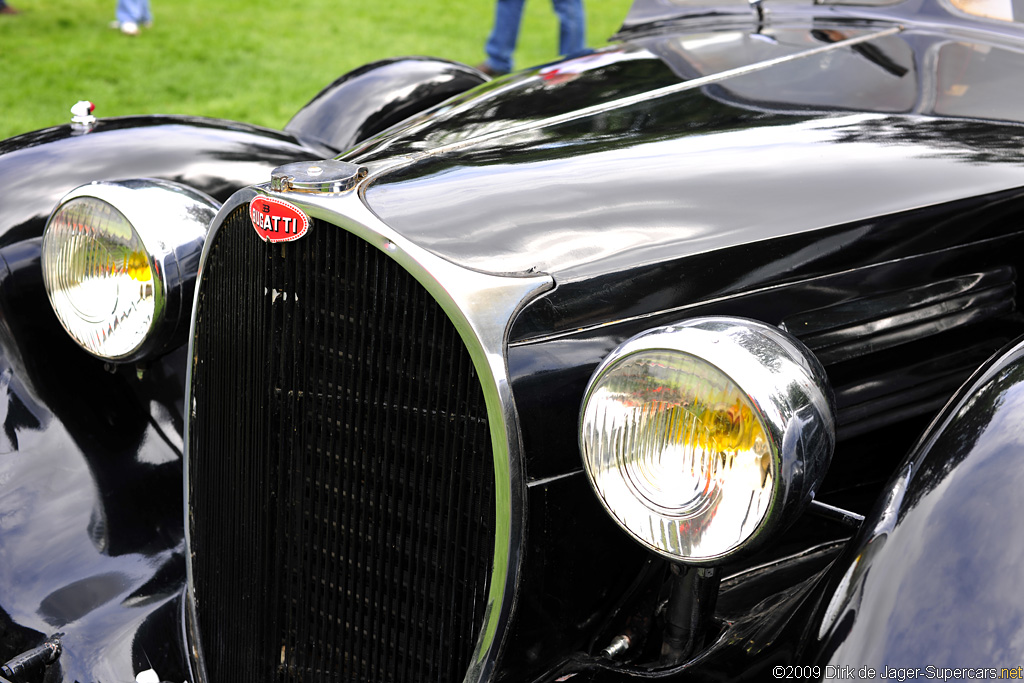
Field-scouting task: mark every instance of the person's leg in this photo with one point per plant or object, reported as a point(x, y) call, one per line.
point(136, 11)
point(124, 12)
point(571, 26)
point(502, 42)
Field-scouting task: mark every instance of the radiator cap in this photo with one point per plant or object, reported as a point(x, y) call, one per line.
point(317, 177)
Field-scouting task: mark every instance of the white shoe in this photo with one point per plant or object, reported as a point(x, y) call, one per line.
point(130, 28)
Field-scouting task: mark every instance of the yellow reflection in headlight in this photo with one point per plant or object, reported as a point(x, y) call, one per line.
point(137, 266)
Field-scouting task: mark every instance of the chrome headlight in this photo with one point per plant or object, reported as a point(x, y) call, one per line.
point(119, 263)
point(701, 438)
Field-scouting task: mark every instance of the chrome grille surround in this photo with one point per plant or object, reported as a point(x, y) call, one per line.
point(481, 307)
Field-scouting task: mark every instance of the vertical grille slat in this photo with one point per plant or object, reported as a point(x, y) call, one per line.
point(341, 483)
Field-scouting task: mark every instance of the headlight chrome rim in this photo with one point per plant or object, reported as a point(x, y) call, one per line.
point(167, 222)
point(789, 398)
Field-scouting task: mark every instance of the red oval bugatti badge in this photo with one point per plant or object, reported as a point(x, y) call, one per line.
point(276, 220)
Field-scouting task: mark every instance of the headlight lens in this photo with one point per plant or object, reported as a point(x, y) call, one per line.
point(100, 278)
point(697, 437)
point(119, 264)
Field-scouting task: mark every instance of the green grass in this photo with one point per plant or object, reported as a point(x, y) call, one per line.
point(249, 61)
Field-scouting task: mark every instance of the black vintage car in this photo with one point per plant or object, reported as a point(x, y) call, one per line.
point(689, 358)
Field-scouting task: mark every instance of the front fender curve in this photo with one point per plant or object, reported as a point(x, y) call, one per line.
point(91, 506)
point(371, 98)
point(933, 579)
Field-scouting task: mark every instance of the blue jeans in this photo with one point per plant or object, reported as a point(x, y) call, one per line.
point(507, 17)
point(133, 10)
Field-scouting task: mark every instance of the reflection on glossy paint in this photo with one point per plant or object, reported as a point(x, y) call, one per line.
point(690, 192)
point(936, 580)
point(700, 170)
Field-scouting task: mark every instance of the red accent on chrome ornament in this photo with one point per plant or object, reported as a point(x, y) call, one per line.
point(276, 220)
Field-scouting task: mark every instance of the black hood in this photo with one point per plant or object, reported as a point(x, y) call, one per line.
point(748, 153)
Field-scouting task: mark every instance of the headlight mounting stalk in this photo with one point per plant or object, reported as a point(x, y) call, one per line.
point(688, 611)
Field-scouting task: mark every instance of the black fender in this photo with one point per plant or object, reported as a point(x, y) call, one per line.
point(91, 505)
point(376, 96)
point(213, 156)
point(933, 577)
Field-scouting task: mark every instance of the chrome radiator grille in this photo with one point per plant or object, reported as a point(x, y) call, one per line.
point(341, 483)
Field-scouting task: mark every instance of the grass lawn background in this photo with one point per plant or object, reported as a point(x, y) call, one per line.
point(257, 62)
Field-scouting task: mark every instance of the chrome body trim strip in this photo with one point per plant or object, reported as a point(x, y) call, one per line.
point(482, 307)
point(551, 480)
point(836, 514)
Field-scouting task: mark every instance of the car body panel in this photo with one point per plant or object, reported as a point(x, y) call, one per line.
point(92, 536)
point(364, 102)
point(698, 169)
point(669, 185)
point(938, 548)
